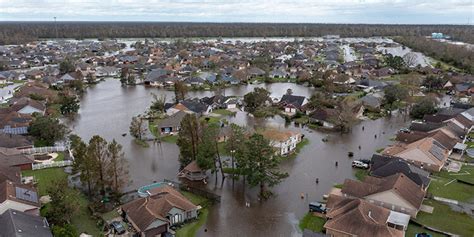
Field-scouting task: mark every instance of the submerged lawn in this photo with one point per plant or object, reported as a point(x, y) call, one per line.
point(82, 220)
point(312, 222)
point(444, 184)
point(445, 219)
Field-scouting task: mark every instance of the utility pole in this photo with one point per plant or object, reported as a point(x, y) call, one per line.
point(56, 27)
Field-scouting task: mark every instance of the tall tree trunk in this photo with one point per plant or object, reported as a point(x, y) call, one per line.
point(220, 161)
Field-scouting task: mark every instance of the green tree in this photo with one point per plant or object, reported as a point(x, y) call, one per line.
point(433, 82)
point(69, 104)
point(77, 85)
point(158, 103)
point(124, 76)
point(395, 62)
point(394, 93)
point(180, 91)
point(189, 138)
point(207, 150)
point(425, 106)
point(97, 151)
point(84, 163)
point(66, 66)
point(63, 203)
point(90, 78)
point(256, 99)
point(66, 230)
point(117, 168)
point(235, 145)
point(263, 165)
point(343, 118)
point(137, 128)
point(47, 130)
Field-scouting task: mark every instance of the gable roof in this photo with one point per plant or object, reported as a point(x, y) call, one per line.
point(295, 100)
point(13, 157)
point(426, 150)
point(357, 217)
point(398, 183)
point(19, 193)
point(21, 224)
point(13, 141)
point(144, 211)
point(173, 120)
point(384, 166)
point(195, 106)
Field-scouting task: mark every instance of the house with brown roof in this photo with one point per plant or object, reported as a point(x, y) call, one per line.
point(397, 192)
point(26, 105)
point(357, 217)
point(284, 142)
point(15, 141)
point(18, 197)
point(427, 153)
point(14, 158)
point(193, 172)
point(163, 208)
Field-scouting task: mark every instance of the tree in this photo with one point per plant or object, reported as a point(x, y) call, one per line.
point(189, 138)
point(84, 163)
point(47, 130)
point(235, 145)
point(66, 66)
point(395, 62)
point(63, 204)
point(158, 103)
point(66, 230)
point(90, 78)
point(394, 93)
point(425, 106)
point(180, 91)
point(97, 150)
point(137, 128)
point(124, 76)
point(262, 165)
point(131, 80)
point(433, 82)
point(69, 104)
point(256, 99)
point(77, 85)
point(344, 118)
point(117, 167)
point(207, 150)
point(410, 59)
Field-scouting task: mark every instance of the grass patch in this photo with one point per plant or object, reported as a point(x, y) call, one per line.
point(313, 126)
point(141, 143)
point(60, 157)
point(82, 220)
point(312, 222)
point(338, 185)
point(360, 174)
point(224, 112)
point(413, 229)
point(298, 148)
point(210, 120)
point(445, 219)
point(302, 120)
point(454, 190)
point(379, 150)
point(169, 139)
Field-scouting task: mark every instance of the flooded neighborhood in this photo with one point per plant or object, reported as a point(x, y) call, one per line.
point(323, 135)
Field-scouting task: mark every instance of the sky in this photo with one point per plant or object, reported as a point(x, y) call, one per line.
point(303, 11)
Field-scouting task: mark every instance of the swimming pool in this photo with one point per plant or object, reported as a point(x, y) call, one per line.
point(143, 191)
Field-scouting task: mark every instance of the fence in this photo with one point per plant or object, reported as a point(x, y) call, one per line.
point(51, 165)
point(47, 149)
point(211, 196)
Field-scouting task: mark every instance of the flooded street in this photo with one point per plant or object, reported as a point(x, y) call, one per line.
point(107, 109)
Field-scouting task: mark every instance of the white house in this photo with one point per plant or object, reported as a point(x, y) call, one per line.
point(284, 142)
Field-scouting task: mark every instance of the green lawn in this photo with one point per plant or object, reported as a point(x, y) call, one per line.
point(141, 143)
point(442, 185)
point(298, 148)
point(360, 174)
point(60, 157)
point(302, 120)
point(169, 138)
point(224, 112)
point(82, 220)
point(210, 119)
point(414, 229)
point(312, 222)
point(190, 229)
point(443, 218)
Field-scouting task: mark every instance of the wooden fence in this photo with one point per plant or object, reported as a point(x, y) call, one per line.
point(52, 164)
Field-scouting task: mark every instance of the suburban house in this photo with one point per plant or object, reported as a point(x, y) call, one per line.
point(385, 166)
point(26, 105)
point(323, 116)
point(357, 217)
point(171, 125)
point(15, 141)
point(216, 102)
point(193, 172)
point(20, 224)
point(14, 158)
point(190, 107)
point(292, 103)
point(426, 153)
point(284, 142)
point(396, 192)
point(153, 215)
point(12, 174)
point(12, 122)
point(19, 197)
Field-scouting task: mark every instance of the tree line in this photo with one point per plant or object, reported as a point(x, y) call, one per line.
point(21, 32)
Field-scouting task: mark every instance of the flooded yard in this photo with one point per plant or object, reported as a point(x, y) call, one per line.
point(107, 109)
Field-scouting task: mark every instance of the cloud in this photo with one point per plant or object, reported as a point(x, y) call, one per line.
point(325, 11)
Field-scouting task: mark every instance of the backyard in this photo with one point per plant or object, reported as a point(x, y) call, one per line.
point(444, 184)
point(82, 219)
point(312, 222)
point(445, 219)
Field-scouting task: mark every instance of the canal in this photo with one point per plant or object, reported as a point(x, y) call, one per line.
point(107, 109)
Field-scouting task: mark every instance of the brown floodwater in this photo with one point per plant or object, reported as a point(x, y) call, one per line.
point(107, 109)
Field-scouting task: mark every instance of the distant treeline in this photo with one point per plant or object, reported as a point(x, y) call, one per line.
point(456, 55)
point(21, 32)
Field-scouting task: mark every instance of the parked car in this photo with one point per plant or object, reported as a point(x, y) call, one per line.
point(117, 227)
point(317, 207)
point(359, 164)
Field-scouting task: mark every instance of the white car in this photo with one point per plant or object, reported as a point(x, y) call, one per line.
point(360, 164)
